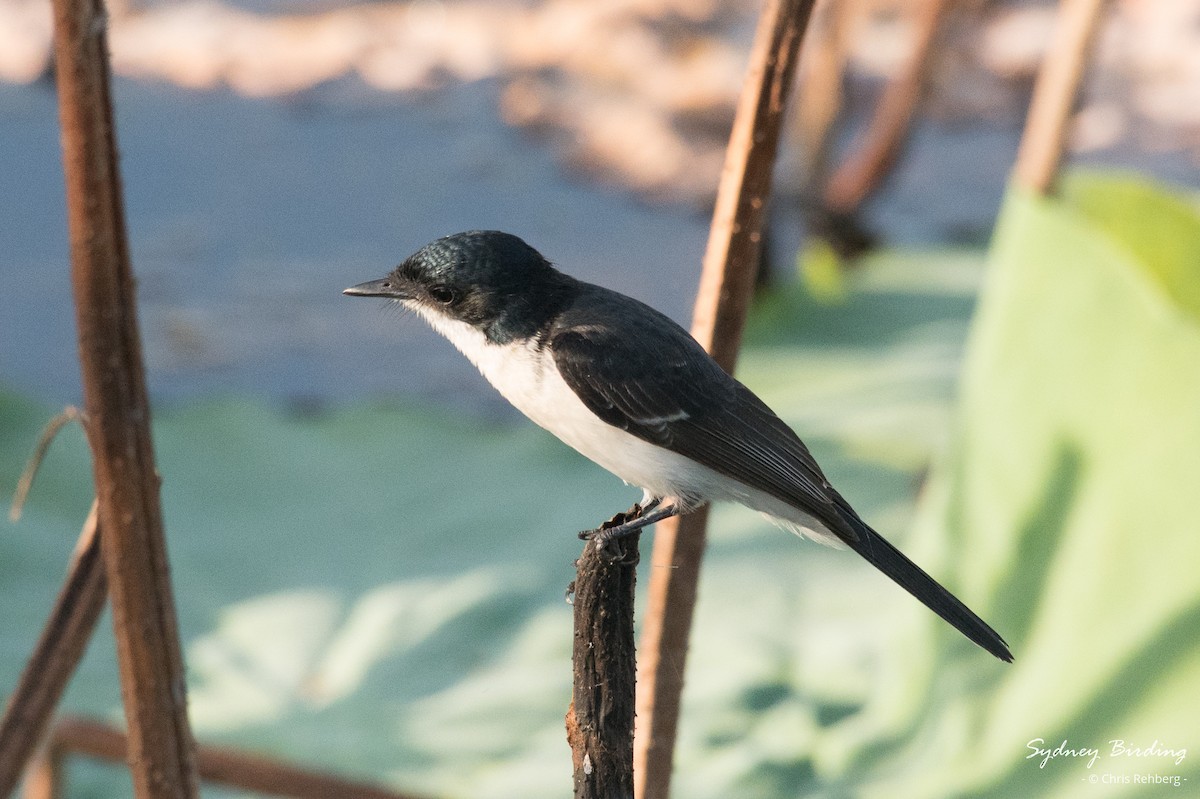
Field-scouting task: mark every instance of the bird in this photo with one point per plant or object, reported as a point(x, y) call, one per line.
point(634, 392)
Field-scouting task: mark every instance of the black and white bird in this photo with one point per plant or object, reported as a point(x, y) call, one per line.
point(634, 392)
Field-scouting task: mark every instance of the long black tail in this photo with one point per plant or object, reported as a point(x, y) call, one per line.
point(913, 579)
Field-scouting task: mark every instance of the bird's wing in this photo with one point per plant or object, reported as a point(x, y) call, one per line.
point(658, 384)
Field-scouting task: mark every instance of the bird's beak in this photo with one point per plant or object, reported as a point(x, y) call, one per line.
point(385, 287)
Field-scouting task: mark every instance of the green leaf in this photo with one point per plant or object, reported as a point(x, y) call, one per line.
point(1065, 513)
point(1160, 229)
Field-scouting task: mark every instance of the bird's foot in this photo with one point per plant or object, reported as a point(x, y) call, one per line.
point(606, 537)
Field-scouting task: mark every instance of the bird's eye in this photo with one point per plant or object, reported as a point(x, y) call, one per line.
point(443, 294)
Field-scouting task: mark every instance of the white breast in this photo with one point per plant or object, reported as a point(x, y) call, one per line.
point(529, 379)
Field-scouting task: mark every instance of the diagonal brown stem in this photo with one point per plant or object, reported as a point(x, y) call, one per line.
point(62, 644)
point(862, 174)
point(726, 286)
point(161, 749)
point(1044, 139)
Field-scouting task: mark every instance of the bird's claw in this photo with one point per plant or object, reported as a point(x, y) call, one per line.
point(605, 536)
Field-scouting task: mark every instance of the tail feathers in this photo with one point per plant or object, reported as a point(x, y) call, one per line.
point(909, 576)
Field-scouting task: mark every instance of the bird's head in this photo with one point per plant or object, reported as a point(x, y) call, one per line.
point(488, 279)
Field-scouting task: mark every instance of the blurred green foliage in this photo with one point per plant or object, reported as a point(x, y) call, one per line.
point(378, 590)
point(1064, 513)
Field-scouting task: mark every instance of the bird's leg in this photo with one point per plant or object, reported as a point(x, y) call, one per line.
point(648, 505)
point(624, 516)
point(628, 523)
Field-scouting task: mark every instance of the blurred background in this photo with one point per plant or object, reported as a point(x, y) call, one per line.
point(351, 510)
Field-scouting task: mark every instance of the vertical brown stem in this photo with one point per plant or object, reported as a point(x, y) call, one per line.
point(600, 719)
point(1044, 139)
point(161, 748)
point(726, 286)
point(44, 780)
point(63, 642)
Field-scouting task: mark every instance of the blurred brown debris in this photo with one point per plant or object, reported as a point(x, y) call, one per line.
point(640, 93)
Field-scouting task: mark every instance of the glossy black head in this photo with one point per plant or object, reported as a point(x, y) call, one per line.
point(489, 279)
